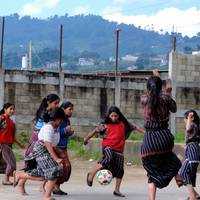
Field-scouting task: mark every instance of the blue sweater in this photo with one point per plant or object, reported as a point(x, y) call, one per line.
point(64, 137)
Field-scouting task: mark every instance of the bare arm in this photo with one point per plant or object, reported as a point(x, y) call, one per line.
point(140, 130)
point(189, 121)
point(90, 135)
point(19, 143)
point(52, 152)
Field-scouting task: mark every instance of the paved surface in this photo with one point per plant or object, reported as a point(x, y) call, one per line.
point(134, 186)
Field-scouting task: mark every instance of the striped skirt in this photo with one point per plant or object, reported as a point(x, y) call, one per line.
point(189, 167)
point(113, 161)
point(158, 159)
point(46, 166)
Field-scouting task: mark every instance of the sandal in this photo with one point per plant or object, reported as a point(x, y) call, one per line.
point(7, 183)
point(89, 183)
point(118, 194)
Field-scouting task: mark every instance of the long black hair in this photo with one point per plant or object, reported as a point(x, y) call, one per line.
point(115, 109)
point(44, 104)
point(196, 117)
point(5, 106)
point(154, 87)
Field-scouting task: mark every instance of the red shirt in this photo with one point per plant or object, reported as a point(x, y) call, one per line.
point(115, 136)
point(7, 134)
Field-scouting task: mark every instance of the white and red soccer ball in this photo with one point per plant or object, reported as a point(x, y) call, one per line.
point(104, 177)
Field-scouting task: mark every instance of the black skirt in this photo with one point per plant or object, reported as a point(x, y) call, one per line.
point(158, 159)
point(113, 161)
point(190, 165)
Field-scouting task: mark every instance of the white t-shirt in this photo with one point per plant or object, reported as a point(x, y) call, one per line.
point(49, 134)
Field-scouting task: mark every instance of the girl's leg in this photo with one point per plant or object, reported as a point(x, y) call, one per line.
point(196, 193)
point(117, 188)
point(49, 189)
point(20, 179)
point(23, 175)
point(151, 191)
point(191, 191)
point(21, 186)
point(90, 175)
point(9, 157)
point(42, 186)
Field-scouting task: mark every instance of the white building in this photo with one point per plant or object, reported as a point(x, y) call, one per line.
point(86, 61)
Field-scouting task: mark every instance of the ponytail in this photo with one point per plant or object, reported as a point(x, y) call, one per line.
point(154, 86)
point(44, 104)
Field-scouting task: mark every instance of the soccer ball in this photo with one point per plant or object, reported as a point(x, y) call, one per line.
point(104, 177)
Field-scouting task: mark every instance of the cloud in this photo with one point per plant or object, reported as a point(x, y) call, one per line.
point(37, 6)
point(80, 10)
point(110, 10)
point(186, 21)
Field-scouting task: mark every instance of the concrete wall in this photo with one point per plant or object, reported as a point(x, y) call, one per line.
point(132, 149)
point(184, 70)
point(92, 96)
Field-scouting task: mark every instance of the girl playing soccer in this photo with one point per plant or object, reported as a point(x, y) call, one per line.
point(116, 130)
point(158, 159)
point(49, 165)
point(189, 167)
point(7, 138)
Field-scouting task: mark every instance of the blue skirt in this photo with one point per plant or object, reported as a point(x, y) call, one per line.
point(189, 167)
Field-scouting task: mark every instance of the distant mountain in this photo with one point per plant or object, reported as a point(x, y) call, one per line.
point(87, 33)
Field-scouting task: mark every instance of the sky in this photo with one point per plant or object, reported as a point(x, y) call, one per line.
point(162, 15)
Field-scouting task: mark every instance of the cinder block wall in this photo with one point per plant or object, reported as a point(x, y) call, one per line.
point(185, 72)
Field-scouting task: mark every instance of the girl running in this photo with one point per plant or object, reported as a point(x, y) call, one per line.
point(7, 138)
point(188, 170)
point(50, 102)
point(61, 149)
point(115, 129)
point(49, 165)
point(158, 159)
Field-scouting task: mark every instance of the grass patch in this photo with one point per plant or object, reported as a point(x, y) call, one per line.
point(179, 137)
point(136, 137)
point(79, 150)
point(23, 138)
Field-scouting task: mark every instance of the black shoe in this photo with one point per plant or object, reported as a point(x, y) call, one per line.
point(118, 194)
point(89, 183)
point(59, 192)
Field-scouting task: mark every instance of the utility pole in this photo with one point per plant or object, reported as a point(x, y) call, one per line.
point(117, 78)
point(173, 40)
point(30, 56)
point(2, 40)
point(60, 50)
point(117, 51)
point(61, 74)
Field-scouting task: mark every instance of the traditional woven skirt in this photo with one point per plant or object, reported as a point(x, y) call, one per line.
point(189, 167)
point(158, 159)
point(62, 153)
point(32, 141)
point(46, 166)
point(113, 161)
